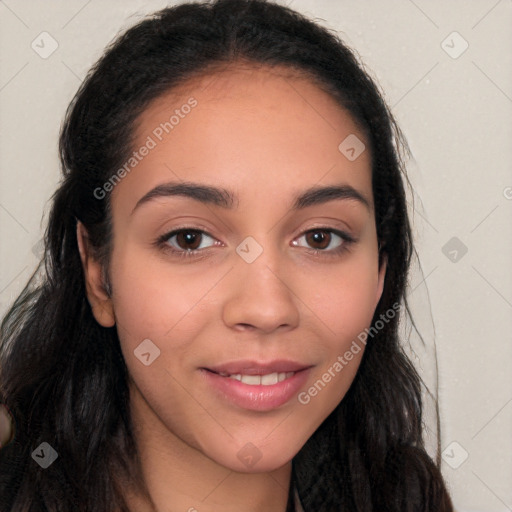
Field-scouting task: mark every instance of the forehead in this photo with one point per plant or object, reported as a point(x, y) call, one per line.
point(263, 129)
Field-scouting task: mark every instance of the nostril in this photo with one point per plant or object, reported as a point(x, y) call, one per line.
point(245, 327)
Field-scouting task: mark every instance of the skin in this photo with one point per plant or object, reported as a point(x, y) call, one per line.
point(5, 426)
point(266, 135)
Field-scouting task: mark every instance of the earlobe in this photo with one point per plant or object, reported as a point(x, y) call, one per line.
point(99, 299)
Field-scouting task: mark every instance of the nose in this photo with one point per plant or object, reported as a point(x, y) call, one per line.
point(259, 298)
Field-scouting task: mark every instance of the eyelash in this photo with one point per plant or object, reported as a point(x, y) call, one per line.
point(347, 241)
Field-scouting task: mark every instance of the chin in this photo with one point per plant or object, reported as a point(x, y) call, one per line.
point(254, 457)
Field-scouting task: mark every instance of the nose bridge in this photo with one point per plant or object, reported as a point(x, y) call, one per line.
point(258, 294)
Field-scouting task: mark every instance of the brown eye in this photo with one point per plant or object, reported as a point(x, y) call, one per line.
point(324, 240)
point(187, 240)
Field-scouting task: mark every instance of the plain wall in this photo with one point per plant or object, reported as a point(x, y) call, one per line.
point(454, 107)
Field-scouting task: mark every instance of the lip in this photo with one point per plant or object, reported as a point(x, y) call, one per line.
point(256, 397)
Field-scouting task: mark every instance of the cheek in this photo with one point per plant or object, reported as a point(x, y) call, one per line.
point(167, 305)
point(151, 298)
point(154, 301)
point(343, 307)
point(345, 299)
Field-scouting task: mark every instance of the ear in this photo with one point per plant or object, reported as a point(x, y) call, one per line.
point(99, 299)
point(6, 426)
point(381, 277)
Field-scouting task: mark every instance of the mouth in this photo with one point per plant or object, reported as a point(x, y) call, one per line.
point(254, 385)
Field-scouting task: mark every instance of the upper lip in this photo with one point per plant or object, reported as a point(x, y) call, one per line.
point(247, 367)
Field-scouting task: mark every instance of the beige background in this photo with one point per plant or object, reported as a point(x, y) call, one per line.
point(455, 109)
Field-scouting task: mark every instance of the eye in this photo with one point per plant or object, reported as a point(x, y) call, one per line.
point(325, 240)
point(187, 240)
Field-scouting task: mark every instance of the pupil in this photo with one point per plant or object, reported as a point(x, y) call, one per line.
point(188, 238)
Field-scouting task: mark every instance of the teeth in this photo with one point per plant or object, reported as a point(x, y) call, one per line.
point(260, 380)
point(253, 380)
point(271, 378)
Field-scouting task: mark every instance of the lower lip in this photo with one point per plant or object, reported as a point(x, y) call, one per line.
point(257, 397)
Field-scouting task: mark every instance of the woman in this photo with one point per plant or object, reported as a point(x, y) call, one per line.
point(226, 258)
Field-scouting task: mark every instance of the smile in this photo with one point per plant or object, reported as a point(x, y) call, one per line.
point(254, 385)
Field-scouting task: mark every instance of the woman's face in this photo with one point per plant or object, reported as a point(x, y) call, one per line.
point(244, 253)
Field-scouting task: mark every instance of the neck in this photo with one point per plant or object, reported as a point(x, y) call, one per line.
point(179, 477)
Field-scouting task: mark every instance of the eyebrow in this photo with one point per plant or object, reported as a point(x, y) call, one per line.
point(224, 198)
